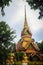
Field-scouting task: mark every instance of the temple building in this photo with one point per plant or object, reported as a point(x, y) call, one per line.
point(26, 44)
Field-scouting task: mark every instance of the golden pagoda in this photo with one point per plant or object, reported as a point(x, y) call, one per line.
point(26, 43)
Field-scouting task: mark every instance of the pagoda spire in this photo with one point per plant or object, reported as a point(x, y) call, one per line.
point(25, 20)
point(26, 31)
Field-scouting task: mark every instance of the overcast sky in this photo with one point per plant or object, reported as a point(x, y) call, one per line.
point(14, 16)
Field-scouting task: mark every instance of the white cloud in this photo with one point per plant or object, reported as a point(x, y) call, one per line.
point(15, 16)
point(40, 41)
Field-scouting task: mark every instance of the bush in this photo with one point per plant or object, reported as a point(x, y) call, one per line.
point(35, 63)
point(19, 56)
point(29, 63)
point(17, 63)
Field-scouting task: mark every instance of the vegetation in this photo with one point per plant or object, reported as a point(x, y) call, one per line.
point(35, 63)
point(17, 63)
point(6, 38)
point(3, 3)
point(36, 4)
point(29, 63)
point(40, 45)
point(19, 56)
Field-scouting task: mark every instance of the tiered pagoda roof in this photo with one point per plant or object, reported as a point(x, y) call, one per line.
point(26, 41)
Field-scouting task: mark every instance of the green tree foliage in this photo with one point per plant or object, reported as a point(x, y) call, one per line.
point(12, 48)
point(6, 38)
point(19, 56)
point(3, 3)
point(41, 46)
point(37, 4)
point(6, 34)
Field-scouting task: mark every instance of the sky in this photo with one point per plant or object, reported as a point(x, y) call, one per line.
point(14, 17)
